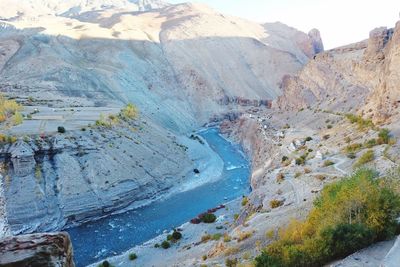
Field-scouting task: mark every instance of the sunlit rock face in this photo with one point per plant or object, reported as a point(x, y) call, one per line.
point(361, 77)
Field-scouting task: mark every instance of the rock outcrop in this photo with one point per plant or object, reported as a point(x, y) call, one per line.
point(361, 77)
point(316, 39)
point(37, 250)
point(57, 181)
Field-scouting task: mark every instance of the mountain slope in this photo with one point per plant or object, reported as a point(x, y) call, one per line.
point(183, 66)
point(165, 61)
point(361, 77)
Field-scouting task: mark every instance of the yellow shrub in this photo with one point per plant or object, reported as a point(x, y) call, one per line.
point(129, 112)
point(17, 118)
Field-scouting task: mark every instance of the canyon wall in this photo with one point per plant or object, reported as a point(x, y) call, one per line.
point(181, 65)
point(360, 77)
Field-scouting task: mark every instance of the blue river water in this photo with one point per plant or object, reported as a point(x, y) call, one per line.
point(113, 235)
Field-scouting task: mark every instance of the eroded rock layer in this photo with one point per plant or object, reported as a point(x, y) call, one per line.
point(37, 250)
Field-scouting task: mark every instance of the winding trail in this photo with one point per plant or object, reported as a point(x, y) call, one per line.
point(340, 161)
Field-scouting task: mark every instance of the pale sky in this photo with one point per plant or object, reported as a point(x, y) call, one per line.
point(340, 21)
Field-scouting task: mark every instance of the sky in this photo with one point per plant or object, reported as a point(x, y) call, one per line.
point(340, 22)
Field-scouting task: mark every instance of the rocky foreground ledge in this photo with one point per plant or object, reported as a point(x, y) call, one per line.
point(37, 250)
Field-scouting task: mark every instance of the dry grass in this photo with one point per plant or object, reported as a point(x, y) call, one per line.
point(244, 235)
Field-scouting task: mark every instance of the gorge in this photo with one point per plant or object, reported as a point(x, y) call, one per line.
point(125, 119)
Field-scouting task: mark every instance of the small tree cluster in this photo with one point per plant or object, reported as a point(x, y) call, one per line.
point(348, 216)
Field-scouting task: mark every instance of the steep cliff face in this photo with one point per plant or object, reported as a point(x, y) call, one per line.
point(61, 180)
point(53, 249)
point(361, 77)
point(383, 103)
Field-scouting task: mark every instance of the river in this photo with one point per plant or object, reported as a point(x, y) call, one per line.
point(113, 235)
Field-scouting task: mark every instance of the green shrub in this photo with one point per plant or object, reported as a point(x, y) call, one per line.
point(383, 136)
point(132, 256)
point(328, 163)
point(176, 235)
point(353, 148)
point(361, 123)
point(345, 238)
point(302, 159)
point(365, 158)
point(308, 139)
point(265, 260)
point(348, 216)
point(245, 200)
point(329, 126)
point(208, 218)
point(60, 129)
point(227, 238)
point(370, 143)
point(165, 244)
point(284, 158)
point(105, 264)
point(216, 236)
point(231, 262)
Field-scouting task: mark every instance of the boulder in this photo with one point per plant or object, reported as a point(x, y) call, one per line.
point(37, 250)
